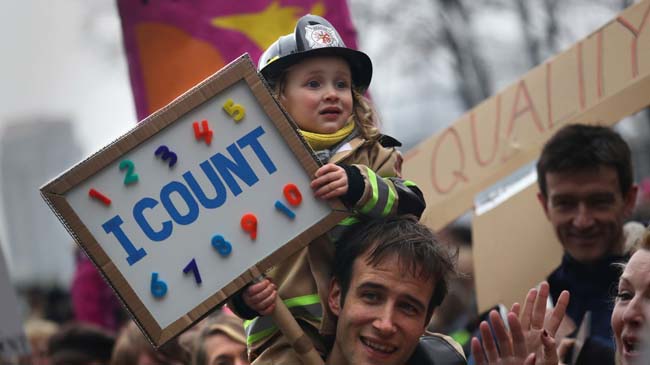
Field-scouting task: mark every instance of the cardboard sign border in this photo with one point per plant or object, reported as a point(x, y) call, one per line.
point(54, 194)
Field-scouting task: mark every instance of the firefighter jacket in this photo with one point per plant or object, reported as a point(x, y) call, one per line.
point(375, 190)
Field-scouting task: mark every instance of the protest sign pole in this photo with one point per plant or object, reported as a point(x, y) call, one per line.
point(294, 334)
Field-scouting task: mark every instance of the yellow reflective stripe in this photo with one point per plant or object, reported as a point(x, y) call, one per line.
point(409, 183)
point(272, 59)
point(389, 202)
point(304, 300)
point(373, 199)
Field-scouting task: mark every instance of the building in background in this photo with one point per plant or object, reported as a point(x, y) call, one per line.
point(38, 249)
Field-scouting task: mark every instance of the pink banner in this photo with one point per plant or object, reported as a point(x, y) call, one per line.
point(171, 45)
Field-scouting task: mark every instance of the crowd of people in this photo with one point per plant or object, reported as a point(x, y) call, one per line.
point(218, 339)
point(370, 287)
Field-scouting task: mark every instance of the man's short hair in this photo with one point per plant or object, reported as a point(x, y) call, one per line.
point(415, 245)
point(578, 147)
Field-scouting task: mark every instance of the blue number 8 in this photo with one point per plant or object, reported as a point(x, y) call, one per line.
point(221, 245)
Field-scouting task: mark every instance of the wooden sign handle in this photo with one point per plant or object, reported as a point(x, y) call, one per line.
point(294, 334)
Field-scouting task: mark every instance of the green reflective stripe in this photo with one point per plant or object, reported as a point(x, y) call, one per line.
point(389, 202)
point(248, 322)
point(461, 336)
point(373, 199)
point(349, 221)
point(260, 328)
point(409, 183)
point(306, 306)
point(343, 226)
point(260, 335)
point(303, 300)
point(383, 195)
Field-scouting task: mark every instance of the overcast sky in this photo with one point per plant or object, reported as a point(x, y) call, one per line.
point(56, 64)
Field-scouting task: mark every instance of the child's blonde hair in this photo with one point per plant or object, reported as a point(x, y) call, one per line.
point(364, 116)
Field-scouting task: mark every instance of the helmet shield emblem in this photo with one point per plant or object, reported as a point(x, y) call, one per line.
point(319, 36)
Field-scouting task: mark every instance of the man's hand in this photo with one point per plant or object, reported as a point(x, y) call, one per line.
point(535, 319)
point(511, 346)
point(260, 297)
point(331, 181)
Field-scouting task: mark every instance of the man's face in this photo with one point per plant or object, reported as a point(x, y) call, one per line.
point(382, 316)
point(587, 210)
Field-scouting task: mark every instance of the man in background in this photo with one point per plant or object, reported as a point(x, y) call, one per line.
point(586, 189)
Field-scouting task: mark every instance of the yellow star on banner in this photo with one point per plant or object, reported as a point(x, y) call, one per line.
point(265, 27)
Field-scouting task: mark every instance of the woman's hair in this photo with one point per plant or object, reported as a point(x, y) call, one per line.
point(131, 343)
point(363, 112)
point(222, 323)
point(645, 241)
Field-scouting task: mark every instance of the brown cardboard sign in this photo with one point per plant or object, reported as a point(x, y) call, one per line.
point(514, 247)
point(195, 201)
point(599, 80)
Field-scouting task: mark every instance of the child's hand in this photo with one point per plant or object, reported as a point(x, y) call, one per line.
point(331, 182)
point(260, 297)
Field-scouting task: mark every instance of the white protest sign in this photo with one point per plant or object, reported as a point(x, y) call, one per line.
point(194, 202)
point(13, 343)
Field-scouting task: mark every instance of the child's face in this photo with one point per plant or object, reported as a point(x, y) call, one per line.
point(318, 94)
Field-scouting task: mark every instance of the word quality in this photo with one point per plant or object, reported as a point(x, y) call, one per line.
point(219, 169)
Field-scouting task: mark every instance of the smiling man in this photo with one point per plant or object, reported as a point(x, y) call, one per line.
point(586, 190)
point(388, 278)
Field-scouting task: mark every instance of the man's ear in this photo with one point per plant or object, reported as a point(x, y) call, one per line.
point(543, 200)
point(334, 297)
point(630, 199)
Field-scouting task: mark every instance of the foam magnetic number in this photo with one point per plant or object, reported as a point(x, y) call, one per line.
point(166, 154)
point(221, 245)
point(249, 224)
point(236, 111)
point(130, 177)
point(194, 268)
point(204, 132)
point(93, 193)
point(292, 194)
point(158, 287)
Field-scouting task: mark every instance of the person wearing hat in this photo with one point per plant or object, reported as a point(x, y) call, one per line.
point(221, 341)
point(320, 83)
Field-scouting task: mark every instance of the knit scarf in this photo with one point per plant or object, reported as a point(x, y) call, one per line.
point(319, 141)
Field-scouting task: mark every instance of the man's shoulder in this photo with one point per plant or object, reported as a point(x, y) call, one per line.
point(438, 349)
